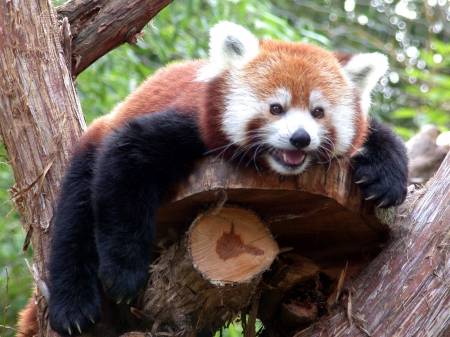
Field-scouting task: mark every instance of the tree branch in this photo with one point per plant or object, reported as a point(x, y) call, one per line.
point(100, 26)
point(405, 290)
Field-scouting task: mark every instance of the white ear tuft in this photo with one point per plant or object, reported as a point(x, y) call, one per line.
point(364, 71)
point(230, 45)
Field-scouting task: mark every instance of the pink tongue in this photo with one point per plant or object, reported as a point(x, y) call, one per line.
point(293, 157)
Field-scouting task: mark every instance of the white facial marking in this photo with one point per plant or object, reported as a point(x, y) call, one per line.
point(342, 117)
point(280, 132)
point(242, 106)
point(283, 96)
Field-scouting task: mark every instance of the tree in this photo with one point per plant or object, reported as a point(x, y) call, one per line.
point(24, 104)
point(40, 108)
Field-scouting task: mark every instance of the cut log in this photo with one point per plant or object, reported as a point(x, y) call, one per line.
point(230, 245)
point(198, 285)
point(320, 213)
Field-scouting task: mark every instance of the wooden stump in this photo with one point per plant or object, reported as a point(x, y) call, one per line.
point(198, 285)
point(207, 277)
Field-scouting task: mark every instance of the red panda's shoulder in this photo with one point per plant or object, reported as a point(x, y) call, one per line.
point(174, 86)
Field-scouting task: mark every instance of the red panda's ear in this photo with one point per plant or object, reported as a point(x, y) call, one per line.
point(230, 46)
point(363, 72)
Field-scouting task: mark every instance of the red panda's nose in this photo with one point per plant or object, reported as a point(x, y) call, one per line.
point(300, 139)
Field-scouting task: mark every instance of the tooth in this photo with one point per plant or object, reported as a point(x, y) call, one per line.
point(284, 156)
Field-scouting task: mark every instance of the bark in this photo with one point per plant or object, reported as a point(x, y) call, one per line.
point(100, 26)
point(40, 121)
point(404, 292)
point(40, 115)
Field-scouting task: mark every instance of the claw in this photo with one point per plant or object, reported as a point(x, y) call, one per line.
point(78, 326)
point(360, 181)
point(119, 300)
point(92, 319)
point(371, 197)
point(381, 203)
point(129, 301)
point(69, 330)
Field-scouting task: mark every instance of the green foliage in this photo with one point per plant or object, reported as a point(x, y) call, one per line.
point(15, 279)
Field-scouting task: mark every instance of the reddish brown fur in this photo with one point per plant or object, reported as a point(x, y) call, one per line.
point(289, 63)
point(27, 324)
point(175, 87)
point(170, 87)
point(210, 115)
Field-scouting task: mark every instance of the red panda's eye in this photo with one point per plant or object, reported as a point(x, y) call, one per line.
point(276, 109)
point(317, 113)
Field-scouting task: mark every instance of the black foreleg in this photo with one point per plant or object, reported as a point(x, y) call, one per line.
point(75, 302)
point(136, 166)
point(381, 167)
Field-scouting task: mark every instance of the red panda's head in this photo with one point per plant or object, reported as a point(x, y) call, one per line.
point(286, 104)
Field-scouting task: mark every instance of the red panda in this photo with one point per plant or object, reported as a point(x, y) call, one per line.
point(283, 105)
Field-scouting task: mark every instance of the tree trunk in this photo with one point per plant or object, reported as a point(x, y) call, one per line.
point(40, 114)
point(41, 121)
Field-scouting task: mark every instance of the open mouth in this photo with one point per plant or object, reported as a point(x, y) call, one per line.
point(289, 158)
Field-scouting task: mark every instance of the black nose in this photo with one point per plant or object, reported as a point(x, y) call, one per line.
point(300, 138)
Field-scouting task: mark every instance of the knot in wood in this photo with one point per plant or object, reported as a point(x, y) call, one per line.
point(231, 245)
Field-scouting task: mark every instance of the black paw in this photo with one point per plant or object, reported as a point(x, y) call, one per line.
point(383, 186)
point(74, 314)
point(123, 284)
point(381, 167)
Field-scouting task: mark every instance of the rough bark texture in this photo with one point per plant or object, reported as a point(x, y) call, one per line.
point(40, 115)
point(100, 26)
point(40, 120)
point(404, 291)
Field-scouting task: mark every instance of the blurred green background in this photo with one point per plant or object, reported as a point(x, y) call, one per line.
point(416, 90)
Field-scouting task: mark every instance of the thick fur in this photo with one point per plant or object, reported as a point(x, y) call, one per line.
point(120, 184)
point(381, 166)
point(127, 160)
point(27, 324)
